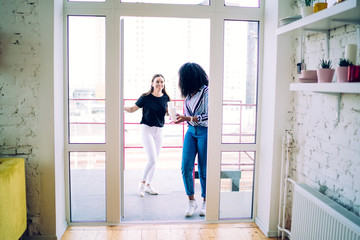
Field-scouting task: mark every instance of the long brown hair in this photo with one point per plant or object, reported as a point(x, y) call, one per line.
point(152, 88)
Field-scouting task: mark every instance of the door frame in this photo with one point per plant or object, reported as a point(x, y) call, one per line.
point(113, 10)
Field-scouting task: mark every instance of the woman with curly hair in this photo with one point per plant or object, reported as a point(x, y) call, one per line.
point(193, 83)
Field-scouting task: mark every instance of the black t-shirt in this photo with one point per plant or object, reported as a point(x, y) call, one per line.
point(154, 109)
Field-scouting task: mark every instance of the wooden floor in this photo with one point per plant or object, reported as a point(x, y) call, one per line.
point(196, 231)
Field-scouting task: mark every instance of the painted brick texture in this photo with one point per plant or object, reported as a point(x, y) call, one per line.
point(327, 152)
point(19, 90)
point(326, 155)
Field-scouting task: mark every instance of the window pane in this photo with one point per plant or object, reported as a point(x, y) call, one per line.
point(87, 133)
point(237, 184)
point(87, 111)
point(240, 81)
point(87, 121)
point(86, 79)
point(187, 2)
point(242, 3)
point(87, 187)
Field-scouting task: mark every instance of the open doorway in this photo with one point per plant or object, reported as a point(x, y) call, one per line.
point(151, 46)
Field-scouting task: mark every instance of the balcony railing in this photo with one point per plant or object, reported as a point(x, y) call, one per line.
point(81, 109)
point(180, 108)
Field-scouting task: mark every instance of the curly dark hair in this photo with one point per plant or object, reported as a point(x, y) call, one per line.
point(191, 78)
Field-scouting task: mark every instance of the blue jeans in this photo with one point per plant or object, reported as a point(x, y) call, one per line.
point(195, 142)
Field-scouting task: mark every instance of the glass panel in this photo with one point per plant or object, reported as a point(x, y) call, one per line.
point(240, 81)
point(87, 133)
point(89, 111)
point(158, 45)
point(237, 184)
point(87, 121)
point(242, 3)
point(185, 2)
point(86, 79)
point(87, 187)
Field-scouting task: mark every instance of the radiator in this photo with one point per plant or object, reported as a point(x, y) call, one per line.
point(316, 217)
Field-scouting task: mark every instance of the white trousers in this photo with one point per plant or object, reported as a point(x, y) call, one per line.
point(152, 138)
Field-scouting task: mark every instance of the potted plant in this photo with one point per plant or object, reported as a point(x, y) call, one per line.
point(307, 9)
point(342, 70)
point(325, 73)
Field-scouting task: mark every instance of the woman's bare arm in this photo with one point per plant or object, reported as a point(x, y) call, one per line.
point(131, 109)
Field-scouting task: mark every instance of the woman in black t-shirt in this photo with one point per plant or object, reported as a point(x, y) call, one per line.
point(154, 108)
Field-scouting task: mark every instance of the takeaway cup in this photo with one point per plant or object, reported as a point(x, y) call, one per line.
point(172, 111)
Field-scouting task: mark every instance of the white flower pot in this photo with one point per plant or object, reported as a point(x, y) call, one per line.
point(306, 11)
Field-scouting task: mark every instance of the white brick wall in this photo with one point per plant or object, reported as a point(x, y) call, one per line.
point(19, 92)
point(327, 154)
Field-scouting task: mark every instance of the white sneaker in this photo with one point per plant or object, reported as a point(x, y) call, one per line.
point(150, 190)
point(191, 208)
point(203, 209)
point(141, 189)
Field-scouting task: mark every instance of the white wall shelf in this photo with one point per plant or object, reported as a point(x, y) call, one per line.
point(332, 17)
point(329, 88)
point(335, 89)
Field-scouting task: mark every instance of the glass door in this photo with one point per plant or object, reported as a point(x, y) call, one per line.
point(232, 150)
point(239, 115)
point(111, 64)
point(86, 118)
